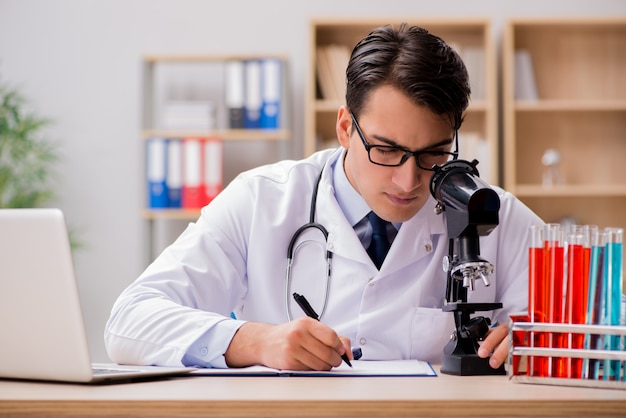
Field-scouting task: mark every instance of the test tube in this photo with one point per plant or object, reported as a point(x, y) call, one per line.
point(537, 298)
point(578, 253)
point(624, 339)
point(612, 296)
point(591, 367)
point(590, 230)
point(520, 365)
point(555, 271)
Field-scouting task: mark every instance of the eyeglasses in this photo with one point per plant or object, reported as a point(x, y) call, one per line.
point(390, 156)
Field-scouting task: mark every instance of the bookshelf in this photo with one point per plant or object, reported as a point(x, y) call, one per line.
point(205, 77)
point(471, 37)
point(579, 110)
point(214, 68)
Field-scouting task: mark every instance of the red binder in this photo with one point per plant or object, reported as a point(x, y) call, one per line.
point(202, 171)
point(191, 194)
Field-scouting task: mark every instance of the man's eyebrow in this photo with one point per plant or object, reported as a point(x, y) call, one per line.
point(393, 143)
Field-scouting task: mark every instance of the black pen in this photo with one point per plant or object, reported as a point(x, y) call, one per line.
point(308, 310)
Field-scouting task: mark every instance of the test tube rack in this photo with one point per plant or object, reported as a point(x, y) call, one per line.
point(521, 351)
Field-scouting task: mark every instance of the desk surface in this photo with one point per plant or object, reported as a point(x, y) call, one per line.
point(221, 396)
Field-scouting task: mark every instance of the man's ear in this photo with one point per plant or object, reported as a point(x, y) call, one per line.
point(344, 126)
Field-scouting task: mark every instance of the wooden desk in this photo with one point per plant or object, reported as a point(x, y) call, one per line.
point(215, 396)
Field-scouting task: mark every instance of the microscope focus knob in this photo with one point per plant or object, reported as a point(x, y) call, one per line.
point(445, 263)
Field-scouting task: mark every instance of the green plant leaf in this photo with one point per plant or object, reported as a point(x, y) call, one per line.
point(27, 157)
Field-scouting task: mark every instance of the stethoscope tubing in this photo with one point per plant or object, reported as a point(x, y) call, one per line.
point(292, 247)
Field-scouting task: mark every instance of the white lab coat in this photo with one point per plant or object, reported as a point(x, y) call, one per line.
point(234, 258)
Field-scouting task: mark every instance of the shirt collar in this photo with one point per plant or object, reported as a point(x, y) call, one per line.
point(350, 201)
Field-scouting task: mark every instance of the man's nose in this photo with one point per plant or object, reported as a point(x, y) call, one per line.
point(409, 176)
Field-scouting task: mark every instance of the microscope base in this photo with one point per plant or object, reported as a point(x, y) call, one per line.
point(468, 365)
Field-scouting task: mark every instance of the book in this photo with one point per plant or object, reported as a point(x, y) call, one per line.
point(174, 176)
point(324, 74)
point(474, 59)
point(234, 87)
point(189, 115)
point(363, 368)
point(525, 86)
point(253, 102)
point(156, 168)
point(271, 89)
point(338, 57)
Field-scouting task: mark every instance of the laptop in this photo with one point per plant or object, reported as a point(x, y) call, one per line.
point(41, 323)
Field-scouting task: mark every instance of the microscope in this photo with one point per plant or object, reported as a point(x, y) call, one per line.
point(471, 208)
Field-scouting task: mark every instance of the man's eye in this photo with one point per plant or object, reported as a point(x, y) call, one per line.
point(427, 159)
point(388, 151)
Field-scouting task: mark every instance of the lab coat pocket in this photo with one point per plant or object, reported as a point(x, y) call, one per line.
point(430, 331)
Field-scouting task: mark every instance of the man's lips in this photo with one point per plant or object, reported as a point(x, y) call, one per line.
point(401, 200)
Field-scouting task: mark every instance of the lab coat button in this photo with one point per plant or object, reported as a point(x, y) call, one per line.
point(371, 282)
point(204, 351)
point(428, 248)
point(362, 341)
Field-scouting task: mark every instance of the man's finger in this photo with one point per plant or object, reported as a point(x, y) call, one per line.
point(493, 343)
point(500, 354)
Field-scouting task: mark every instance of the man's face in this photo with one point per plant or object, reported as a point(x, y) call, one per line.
point(391, 118)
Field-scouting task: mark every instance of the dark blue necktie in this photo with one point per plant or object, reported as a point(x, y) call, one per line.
point(380, 242)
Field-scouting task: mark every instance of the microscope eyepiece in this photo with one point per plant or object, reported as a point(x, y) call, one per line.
point(469, 202)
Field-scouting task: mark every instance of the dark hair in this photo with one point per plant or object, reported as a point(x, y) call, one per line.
point(416, 62)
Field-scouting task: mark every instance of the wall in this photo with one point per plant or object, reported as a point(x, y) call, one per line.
point(78, 61)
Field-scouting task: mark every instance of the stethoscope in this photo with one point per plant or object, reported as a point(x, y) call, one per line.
point(292, 247)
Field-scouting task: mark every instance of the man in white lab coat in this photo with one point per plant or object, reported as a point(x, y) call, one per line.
point(406, 95)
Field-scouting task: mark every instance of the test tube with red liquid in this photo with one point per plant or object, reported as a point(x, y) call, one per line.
point(555, 271)
point(537, 299)
point(578, 253)
point(520, 339)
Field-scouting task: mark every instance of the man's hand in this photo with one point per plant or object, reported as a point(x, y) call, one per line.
point(302, 344)
point(496, 342)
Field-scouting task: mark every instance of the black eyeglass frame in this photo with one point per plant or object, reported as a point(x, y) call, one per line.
point(407, 153)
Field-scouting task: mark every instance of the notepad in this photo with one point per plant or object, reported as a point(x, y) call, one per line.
point(364, 368)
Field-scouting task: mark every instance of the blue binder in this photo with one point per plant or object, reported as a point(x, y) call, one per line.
point(271, 73)
point(156, 165)
point(253, 101)
point(174, 177)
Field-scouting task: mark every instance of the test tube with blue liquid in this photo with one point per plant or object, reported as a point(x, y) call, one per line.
point(591, 367)
point(612, 290)
point(624, 339)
